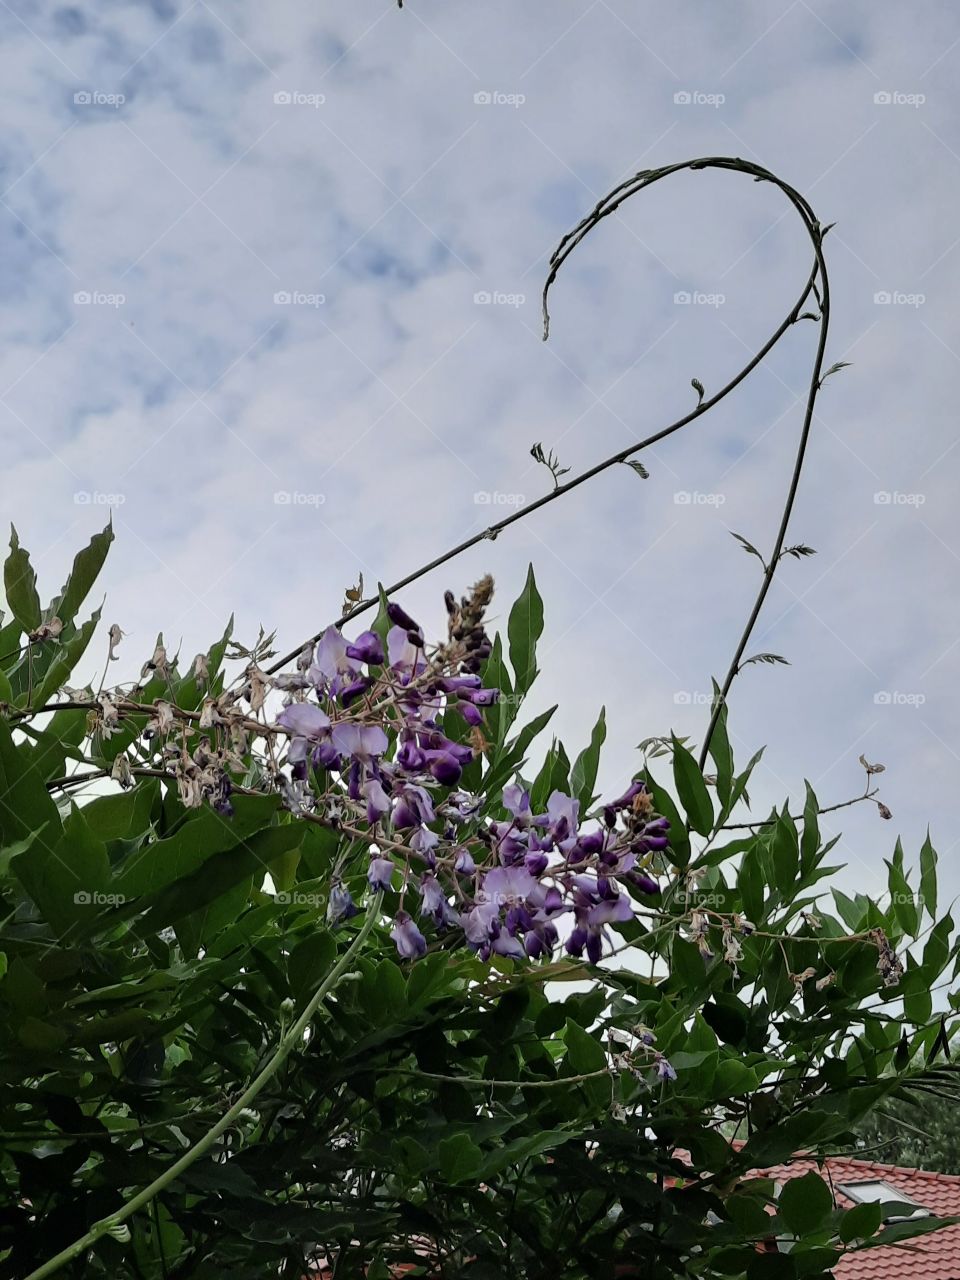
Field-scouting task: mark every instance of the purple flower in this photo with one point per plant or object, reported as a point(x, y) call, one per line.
point(434, 903)
point(563, 812)
point(378, 802)
point(504, 944)
point(445, 767)
point(643, 882)
point(401, 654)
point(664, 1070)
point(517, 802)
point(478, 924)
point(350, 692)
point(379, 873)
point(611, 911)
point(360, 740)
point(330, 660)
point(508, 884)
point(424, 841)
point(464, 864)
point(413, 807)
point(409, 941)
point(411, 757)
point(304, 720)
point(341, 905)
point(366, 648)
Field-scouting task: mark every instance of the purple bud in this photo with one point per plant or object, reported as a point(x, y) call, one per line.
point(470, 713)
point(349, 693)
point(411, 757)
point(445, 769)
point(400, 618)
point(367, 648)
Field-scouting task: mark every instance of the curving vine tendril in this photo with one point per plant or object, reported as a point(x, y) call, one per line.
point(817, 284)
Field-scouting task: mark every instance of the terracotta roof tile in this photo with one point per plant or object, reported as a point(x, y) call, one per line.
point(933, 1257)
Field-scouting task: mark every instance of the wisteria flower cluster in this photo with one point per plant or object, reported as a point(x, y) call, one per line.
point(367, 745)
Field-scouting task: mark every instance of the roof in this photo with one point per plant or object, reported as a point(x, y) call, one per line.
point(932, 1257)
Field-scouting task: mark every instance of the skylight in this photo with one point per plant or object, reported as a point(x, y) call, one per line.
point(882, 1192)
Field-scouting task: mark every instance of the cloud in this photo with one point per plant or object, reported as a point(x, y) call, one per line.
point(399, 164)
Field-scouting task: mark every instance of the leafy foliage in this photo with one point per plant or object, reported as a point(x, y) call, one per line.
point(464, 1116)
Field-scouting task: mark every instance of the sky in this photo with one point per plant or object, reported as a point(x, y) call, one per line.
point(272, 279)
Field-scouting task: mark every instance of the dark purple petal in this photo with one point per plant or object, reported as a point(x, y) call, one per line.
point(445, 768)
point(470, 713)
point(367, 648)
point(400, 618)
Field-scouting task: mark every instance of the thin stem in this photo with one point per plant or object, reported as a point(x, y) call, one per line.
point(830, 808)
point(288, 1043)
point(604, 209)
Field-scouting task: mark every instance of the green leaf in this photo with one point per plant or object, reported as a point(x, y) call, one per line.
point(20, 585)
point(751, 886)
point(241, 861)
point(810, 840)
point(584, 1054)
point(786, 855)
point(86, 569)
point(692, 790)
point(156, 865)
point(310, 962)
point(663, 803)
point(806, 1204)
point(583, 776)
point(860, 1222)
point(25, 804)
point(721, 753)
point(524, 628)
point(928, 878)
point(459, 1158)
point(65, 879)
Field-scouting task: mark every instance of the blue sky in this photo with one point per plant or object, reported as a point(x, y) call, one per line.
point(187, 165)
